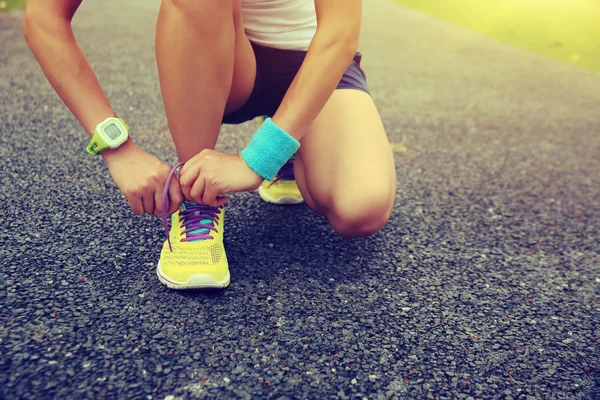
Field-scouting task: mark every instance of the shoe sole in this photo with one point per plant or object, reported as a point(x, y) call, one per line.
point(194, 282)
point(281, 200)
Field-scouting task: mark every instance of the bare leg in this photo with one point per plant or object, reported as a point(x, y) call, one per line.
point(347, 169)
point(206, 67)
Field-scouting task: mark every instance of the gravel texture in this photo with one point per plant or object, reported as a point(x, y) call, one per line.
point(485, 283)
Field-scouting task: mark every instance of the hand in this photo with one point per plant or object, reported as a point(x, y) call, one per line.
point(141, 178)
point(210, 174)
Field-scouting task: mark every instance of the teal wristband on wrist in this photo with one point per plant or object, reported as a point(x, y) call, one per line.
point(269, 149)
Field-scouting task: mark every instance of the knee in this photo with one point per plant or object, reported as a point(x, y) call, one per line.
point(182, 5)
point(191, 6)
point(360, 216)
point(209, 12)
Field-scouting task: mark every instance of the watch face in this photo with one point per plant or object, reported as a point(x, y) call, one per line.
point(112, 131)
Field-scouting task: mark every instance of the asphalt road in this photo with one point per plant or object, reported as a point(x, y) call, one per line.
point(485, 283)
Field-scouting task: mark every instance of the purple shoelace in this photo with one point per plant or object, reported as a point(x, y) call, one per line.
point(286, 173)
point(197, 220)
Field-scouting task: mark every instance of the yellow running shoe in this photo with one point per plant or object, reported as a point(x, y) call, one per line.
point(283, 189)
point(193, 256)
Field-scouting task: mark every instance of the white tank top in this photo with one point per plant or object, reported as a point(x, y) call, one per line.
point(283, 24)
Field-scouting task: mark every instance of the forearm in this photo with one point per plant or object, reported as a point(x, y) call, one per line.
point(328, 57)
point(52, 42)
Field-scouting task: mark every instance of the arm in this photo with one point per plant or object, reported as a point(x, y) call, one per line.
point(47, 29)
point(330, 52)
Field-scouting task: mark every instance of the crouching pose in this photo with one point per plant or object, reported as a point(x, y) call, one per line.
point(229, 61)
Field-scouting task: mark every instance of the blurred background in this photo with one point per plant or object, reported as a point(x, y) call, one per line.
point(485, 283)
point(567, 30)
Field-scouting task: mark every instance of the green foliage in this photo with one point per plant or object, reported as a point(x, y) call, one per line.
point(568, 30)
point(8, 4)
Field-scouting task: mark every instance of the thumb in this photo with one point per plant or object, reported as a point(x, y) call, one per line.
point(221, 201)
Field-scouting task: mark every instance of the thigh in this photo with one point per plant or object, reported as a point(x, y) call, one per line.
point(244, 64)
point(345, 158)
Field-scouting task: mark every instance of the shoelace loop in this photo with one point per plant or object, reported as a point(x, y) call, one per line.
point(196, 219)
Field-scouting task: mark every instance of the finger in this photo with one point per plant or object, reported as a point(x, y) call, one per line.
point(148, 202)
point(187, 179)
point(175, 196)
point(158, 195)
point(135, 203)
point(211, 191)
point(222, 200)
point(197, 191)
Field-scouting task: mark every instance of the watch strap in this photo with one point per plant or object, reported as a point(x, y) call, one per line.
point(124, 123)
point(97, 144)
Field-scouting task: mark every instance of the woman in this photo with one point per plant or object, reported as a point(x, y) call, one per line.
point(228, 61)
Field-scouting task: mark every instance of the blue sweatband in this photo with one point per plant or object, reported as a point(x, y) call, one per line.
point(269, 149)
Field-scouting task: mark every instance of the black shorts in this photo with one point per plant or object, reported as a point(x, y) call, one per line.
point(275, 71)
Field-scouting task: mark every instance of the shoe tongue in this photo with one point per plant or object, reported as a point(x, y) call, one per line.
point(185, 205)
